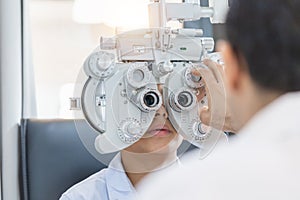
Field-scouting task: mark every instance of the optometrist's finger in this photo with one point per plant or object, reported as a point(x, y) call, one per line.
point(206, 77)
point(201, 92)
point(215, 68)
point(215, 112)
point(205, 115)
point(210, 82)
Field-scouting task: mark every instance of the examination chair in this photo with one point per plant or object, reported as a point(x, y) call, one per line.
point(53, 158)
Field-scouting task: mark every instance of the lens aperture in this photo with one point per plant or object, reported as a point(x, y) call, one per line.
point(185, 99)
point(151, 99)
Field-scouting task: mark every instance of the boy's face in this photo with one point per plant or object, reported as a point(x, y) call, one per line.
point(160, 136)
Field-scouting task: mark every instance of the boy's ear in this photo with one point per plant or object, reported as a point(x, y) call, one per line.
point(233, 70)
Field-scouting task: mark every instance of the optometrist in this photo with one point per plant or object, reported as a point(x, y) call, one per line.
point(262, 84)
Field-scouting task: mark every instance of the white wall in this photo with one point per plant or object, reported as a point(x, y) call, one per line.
point(59, 47)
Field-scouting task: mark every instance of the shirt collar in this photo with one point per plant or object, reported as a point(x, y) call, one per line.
point(117, 176)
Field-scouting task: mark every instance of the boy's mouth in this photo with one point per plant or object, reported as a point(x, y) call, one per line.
point(160, 131)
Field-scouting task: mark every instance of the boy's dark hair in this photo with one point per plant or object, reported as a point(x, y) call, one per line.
point(266, 33)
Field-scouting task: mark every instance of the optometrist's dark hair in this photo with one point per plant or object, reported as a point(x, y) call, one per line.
point(266, 34)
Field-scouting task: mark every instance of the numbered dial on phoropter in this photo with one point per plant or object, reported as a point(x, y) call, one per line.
point(130, 130)
point(99, 64)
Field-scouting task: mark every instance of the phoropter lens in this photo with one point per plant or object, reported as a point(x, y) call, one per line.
point(151, 99)
point(185, 99)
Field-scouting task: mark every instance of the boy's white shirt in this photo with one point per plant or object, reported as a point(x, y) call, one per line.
point(111, 183)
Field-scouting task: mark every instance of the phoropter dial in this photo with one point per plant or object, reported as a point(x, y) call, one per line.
point(130, 130)
point(138, 75)
point(99, 65)
point(200, 131)
point(191, 79)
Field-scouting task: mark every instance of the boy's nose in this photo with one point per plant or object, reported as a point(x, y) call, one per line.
point(162, 112)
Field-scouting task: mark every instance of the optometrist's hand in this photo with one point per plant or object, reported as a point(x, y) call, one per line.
point(217, 114)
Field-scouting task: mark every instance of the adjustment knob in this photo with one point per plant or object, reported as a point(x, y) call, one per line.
point(200, 130)
point(104, 61)
point(99, 64)
point(192, 80)
point(138, 75)
point(133, 128)
point(130, 130)
point(196, 78)
point(165, 67)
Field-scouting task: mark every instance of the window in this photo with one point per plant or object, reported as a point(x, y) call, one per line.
point(59, 47)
